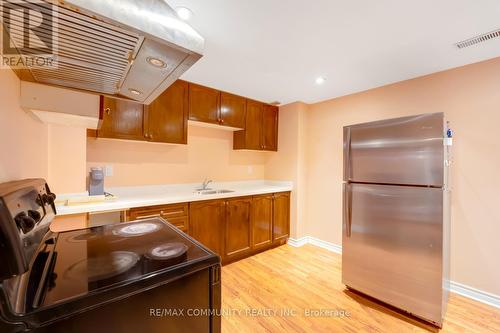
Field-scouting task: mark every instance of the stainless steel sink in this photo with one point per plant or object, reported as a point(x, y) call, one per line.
point(206, 192)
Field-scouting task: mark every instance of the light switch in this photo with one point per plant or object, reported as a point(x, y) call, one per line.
point(250, 169)
point(108, 170)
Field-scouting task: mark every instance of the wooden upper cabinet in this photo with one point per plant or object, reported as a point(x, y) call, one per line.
point(204, 104)
point(270, 128)
point(233, 110)
point(206, 224)
point(165, 120)
point(281, 216)
point(238, 228)
point(251, 137)
point(261, 131)
point(262, 220)
point(121, 119)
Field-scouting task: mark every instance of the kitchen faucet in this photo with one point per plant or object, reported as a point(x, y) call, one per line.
point(204, 186)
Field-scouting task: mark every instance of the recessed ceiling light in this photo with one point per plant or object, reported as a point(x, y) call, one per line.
point(320, 80)
point(184, 13)
point(135, 91)
point(156, 62)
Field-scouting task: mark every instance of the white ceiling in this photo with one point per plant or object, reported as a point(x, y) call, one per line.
point(272, 50)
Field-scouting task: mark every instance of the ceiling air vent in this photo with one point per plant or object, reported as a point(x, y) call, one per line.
point(478, 39)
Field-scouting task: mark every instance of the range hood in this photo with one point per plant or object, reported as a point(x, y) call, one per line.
point(132, 49)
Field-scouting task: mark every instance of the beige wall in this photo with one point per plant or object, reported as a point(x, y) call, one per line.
point(67, 159)
point(289, 162)
point(32, 149)
point(209, 153)
point(470, 98)
point(23, 140)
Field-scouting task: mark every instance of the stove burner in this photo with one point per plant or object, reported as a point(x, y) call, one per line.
point(105, 267)
point(167, 251)
point(136, 229)
point(165, 255)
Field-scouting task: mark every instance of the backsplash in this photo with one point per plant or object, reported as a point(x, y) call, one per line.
point(208, 153)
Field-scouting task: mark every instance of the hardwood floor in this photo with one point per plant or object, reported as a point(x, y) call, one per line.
point(272, 292)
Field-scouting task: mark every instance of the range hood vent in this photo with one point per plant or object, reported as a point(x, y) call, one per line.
point(478, 39)
point(132, 49)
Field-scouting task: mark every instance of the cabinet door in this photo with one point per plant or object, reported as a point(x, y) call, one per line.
point(206, 224)
point(121, 119)
point(262, 218)
point(238, 228)
point(281, 216)
point(166, 117)
point(233, 110)
point(204, 104)
point(270, 128)
point(251, 137)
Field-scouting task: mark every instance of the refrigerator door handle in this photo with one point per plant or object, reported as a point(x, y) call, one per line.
point(347, 210)
point(347, 153)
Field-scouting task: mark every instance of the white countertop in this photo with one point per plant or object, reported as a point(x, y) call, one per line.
point(141, 196)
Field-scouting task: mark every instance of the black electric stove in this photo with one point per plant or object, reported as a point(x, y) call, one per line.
point(137, 276)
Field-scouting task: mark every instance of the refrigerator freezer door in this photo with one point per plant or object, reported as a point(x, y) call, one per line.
point(392, 246)
point(405, 151)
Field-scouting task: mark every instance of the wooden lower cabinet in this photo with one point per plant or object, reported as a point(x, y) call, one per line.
point(234, 228)
point(238, 228)
point(262, 221)
point(281, 217)
point(207, 224)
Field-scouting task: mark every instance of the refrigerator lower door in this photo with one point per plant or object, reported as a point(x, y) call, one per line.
point(392, 246)
point(407, 151)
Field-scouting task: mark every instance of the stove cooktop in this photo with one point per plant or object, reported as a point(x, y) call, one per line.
point(98, 258)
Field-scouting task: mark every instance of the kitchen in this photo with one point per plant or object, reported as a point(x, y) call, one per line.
point(278, 228)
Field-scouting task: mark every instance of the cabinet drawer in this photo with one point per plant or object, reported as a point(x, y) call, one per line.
point(179, 222)
point(164, 211)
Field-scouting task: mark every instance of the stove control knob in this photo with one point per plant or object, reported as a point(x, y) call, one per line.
point(24, 222)
point(35, 215)
point(49, 198)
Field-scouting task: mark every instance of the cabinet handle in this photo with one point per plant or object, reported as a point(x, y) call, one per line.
point(173, 212)
point(143, 217)
point(108, 111)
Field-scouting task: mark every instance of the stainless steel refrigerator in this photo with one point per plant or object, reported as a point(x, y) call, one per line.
point(395, 244)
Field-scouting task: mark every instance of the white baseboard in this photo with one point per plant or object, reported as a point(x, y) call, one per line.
point(298, 242)
point(475, 294)
point(455, 287)
point(315, 241)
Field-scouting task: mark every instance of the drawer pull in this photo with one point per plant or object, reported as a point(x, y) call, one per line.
point(147, 216)
point(175, 212)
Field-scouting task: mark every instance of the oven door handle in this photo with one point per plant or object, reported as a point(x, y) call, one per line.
point(43, 280)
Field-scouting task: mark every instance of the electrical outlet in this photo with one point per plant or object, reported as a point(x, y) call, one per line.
point(108, 171)
point(250, 169)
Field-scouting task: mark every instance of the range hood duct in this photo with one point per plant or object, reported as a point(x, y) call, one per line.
point(131, 49)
